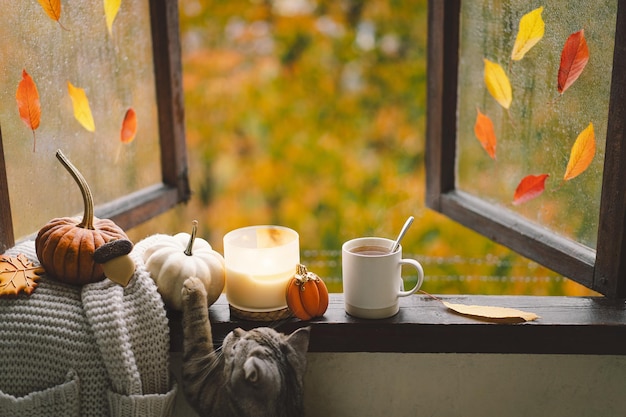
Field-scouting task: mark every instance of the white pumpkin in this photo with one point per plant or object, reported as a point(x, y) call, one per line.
point(173, 259)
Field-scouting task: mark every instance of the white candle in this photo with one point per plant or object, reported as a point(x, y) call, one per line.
point(260, 260)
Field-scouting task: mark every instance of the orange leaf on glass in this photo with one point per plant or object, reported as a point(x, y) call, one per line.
point(52, 9)
point(486, 135)
point(129, 126)
point(574, 57)
point(582, 153)
point(529, 187)
point(28, 105)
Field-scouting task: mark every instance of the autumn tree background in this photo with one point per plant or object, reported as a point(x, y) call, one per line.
point(312, 115)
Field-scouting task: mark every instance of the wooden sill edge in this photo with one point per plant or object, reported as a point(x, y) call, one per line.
point(567, 325)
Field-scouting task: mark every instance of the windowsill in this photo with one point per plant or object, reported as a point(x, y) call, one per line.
point(567, 325)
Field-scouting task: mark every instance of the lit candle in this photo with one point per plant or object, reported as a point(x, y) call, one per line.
point(260, 260)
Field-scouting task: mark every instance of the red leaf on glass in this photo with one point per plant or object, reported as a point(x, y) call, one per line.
point(129, 126)
point(574, 57)
point(529, 187)
point(486, 135)
point(28, 105)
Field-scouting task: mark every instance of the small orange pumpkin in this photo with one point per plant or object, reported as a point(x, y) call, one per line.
point(307, 295)
point(65, 246)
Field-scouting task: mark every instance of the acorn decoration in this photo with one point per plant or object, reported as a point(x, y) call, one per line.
point(65, 246)
point(307, 295)
point(116, 263)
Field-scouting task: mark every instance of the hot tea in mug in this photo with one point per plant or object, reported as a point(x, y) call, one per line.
point(372, 277)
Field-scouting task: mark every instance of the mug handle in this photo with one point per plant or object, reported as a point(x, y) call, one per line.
point(420, 276)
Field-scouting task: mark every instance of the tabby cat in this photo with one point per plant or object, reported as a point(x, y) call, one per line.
point(256, 373)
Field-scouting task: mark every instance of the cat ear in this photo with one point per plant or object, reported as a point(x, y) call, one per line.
point(299, 339)
point(298, 343)
point(239, 332)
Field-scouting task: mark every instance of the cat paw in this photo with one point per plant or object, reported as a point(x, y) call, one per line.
point(193, 288)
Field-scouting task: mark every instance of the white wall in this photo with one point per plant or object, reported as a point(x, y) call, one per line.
point(480, 385)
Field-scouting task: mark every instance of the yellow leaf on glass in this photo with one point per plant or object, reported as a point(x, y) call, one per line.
point(498, 84)
point(582, 153)
point(499, 314)
point(111, 7)
point(82, 111)
point(531, 30)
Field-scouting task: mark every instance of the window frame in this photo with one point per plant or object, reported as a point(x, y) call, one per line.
point(567, 326)
point(602, 270)
point(141, 205)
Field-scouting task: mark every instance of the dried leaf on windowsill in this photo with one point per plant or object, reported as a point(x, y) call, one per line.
point(490, 313)
point(18, 274)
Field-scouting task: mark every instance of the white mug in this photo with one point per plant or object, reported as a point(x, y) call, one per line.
point(372, 278)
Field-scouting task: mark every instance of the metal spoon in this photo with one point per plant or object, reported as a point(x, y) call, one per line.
point(406, 226)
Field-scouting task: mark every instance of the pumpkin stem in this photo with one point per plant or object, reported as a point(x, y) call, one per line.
point(87, 221)
point(301, 271)
point(302, 275)
point(192, 237)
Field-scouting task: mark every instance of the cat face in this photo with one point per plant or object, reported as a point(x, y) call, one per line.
point(259, 363)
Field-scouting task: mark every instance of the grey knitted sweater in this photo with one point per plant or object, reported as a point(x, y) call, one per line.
point(97, 350)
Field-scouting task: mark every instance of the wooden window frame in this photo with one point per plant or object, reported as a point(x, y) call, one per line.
point(567, 325)
point(139, 206)
point(602, 270)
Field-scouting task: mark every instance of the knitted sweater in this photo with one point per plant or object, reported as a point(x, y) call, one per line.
point(96, 350)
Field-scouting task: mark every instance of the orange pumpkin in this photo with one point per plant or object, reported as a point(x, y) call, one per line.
point(307, 295)
point(65, 246)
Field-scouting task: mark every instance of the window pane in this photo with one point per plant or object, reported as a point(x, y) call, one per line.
point(535, 135)
point(308, 114)
point(115, 70)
